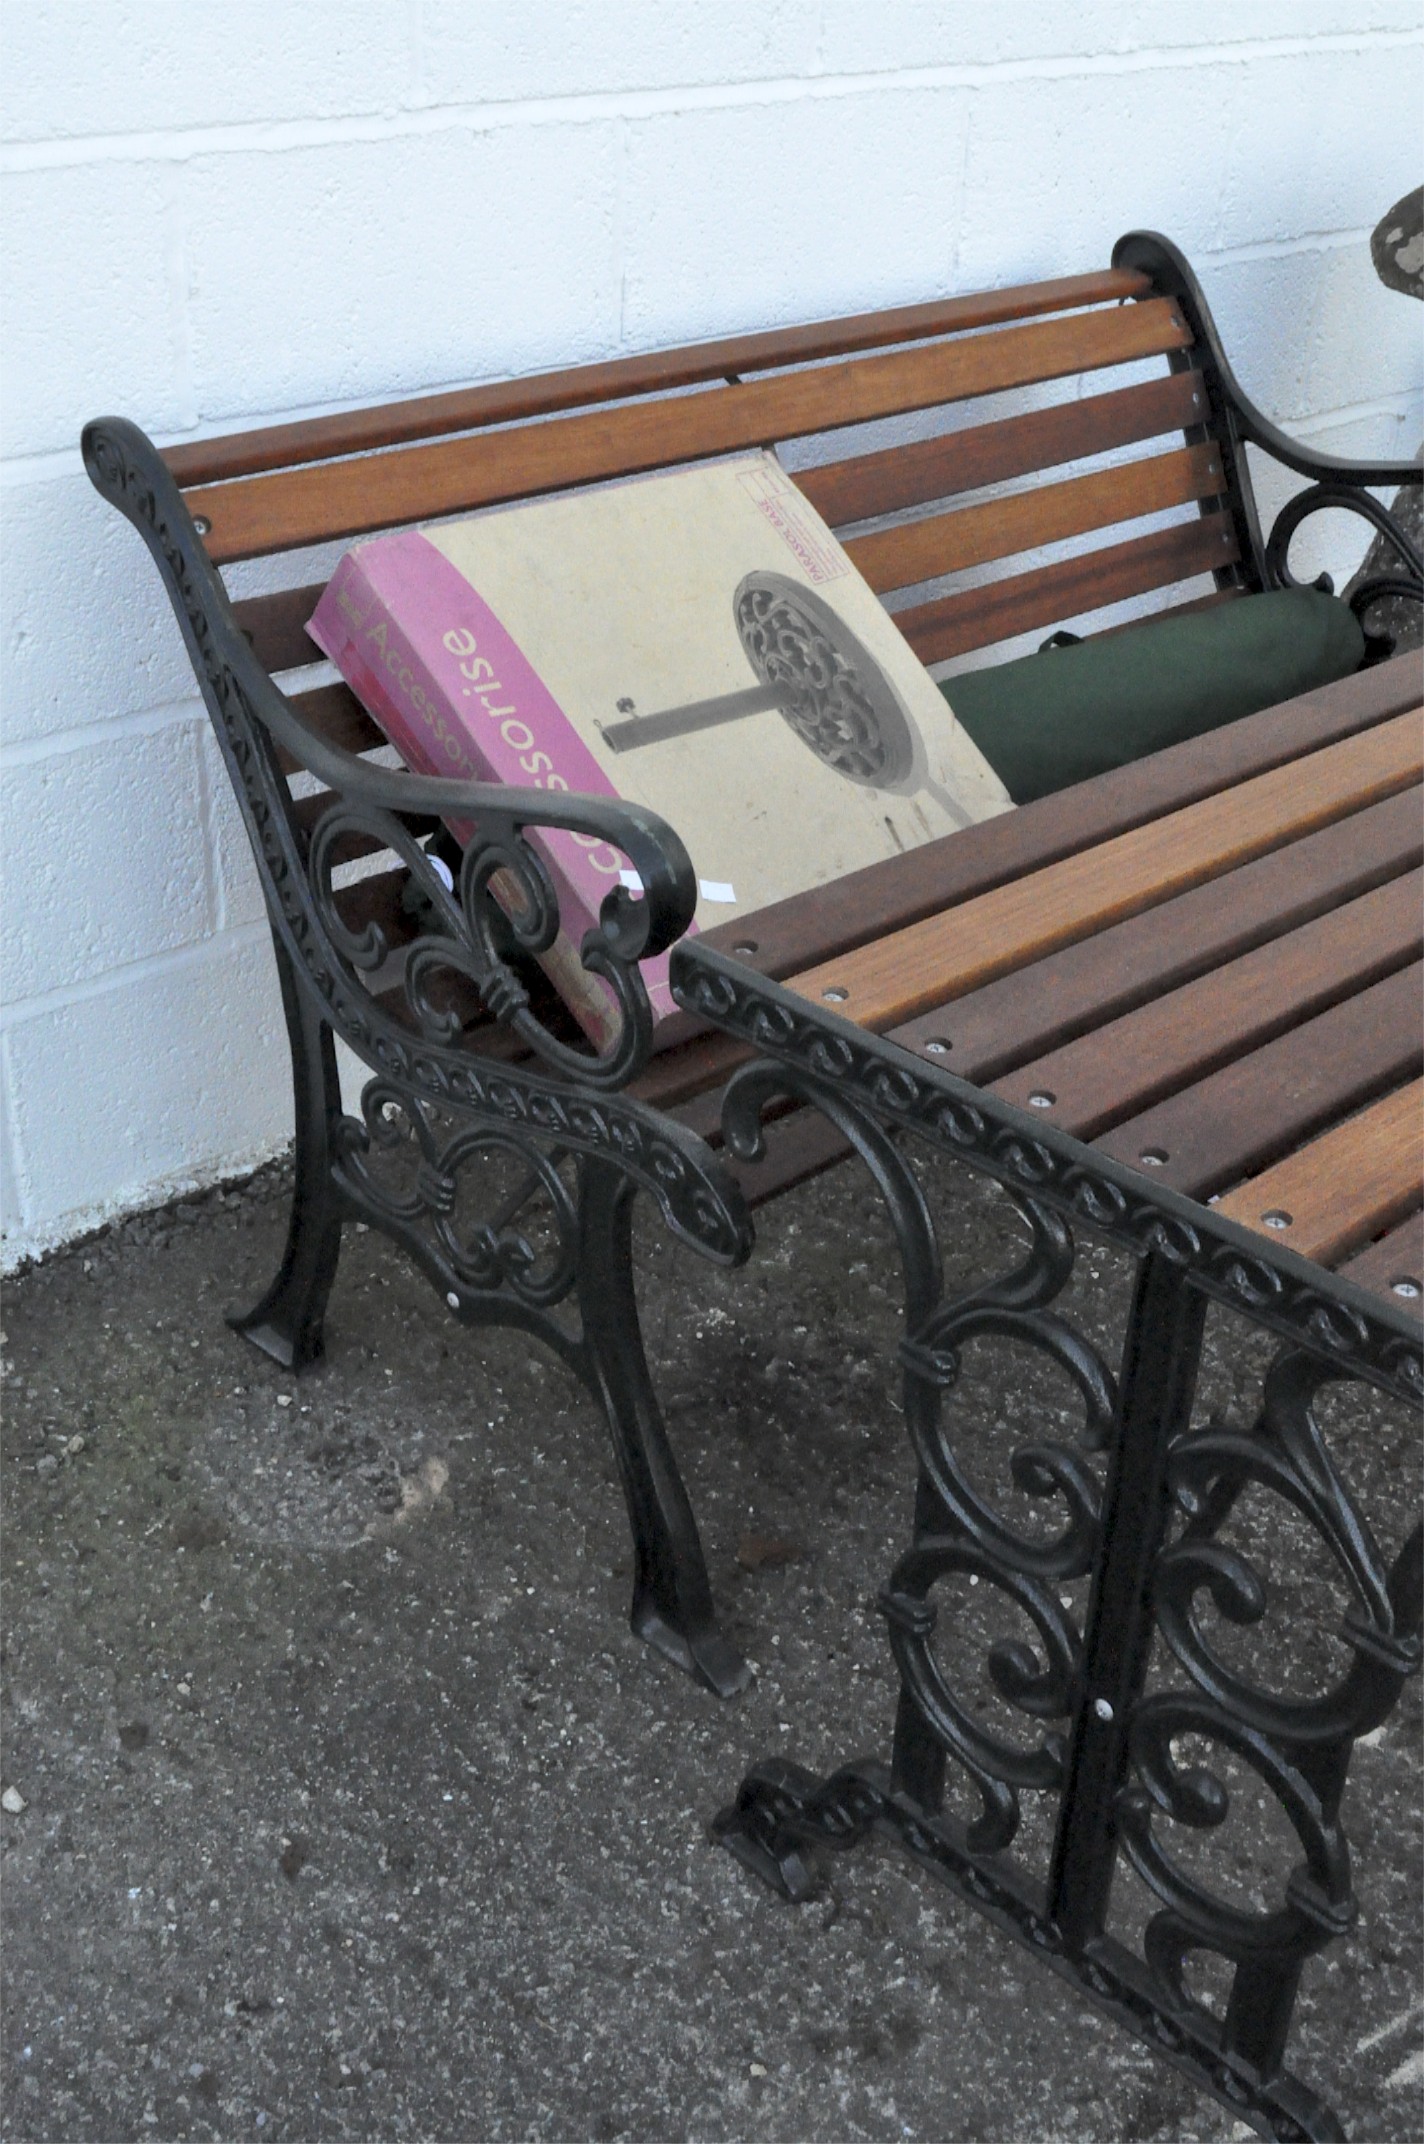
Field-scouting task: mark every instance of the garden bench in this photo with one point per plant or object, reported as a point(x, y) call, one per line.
point(475, 1071)
point(505, 1155)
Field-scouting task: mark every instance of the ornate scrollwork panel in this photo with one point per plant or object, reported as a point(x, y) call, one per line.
point(961, 1532)
point(1286, 1455)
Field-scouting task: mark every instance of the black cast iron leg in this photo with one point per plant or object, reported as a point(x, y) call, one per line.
point(1159, 1376)
point(287, 1323)
point(672, 1600)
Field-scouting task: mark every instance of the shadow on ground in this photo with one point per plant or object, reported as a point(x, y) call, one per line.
point(340, 1803)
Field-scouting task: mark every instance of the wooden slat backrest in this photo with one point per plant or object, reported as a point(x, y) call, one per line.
point(276, 626)
point(285, 487)
point(1110, 573)
point(255, 516)
point(974, 535)
point(920, 470)
point(363, 431)
point(335, 713)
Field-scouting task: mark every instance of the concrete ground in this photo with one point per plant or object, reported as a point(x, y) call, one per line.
point(339, 1801)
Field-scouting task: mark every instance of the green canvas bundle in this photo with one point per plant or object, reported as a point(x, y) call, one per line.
point(1069, 712)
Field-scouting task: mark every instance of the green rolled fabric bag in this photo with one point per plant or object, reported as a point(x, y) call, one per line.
point(1082, 708)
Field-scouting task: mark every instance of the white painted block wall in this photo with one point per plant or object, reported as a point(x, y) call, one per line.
point(217, 214)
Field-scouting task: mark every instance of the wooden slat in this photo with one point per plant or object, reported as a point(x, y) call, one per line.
point(1346, 1186)
point(260, 514)
point(977, 617)
point(336, 714)
point(974, 535)
point(206, 461)
point(276, 627)
point(920, 470)
point(1254, 1110)
point(807, 928)
point(1125, 1065)
point(1394, 1266)
point(905, 974)
point(985, 1034)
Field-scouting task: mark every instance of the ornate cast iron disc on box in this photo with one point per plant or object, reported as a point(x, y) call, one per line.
point(829, 689)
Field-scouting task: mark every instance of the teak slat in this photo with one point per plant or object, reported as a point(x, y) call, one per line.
point(931, 962)
point(261, 514)
point(206, 461)
point(1393, 1267)
point(276, 627)
point(336, 714)
point(808, 928)
point(1254, 1110)
point(973, 535)
point(1346, 1186)
point(1127, 1064)
point(986, 1033)
point(977, 617)
point(924, 469)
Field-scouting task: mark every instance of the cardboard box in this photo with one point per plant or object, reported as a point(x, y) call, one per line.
point(697, 641)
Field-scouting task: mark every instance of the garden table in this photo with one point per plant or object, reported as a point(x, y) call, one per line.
point(1198, 1034)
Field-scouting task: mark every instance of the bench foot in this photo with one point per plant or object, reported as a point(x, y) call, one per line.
point(286, 1322)
point(672, 1599)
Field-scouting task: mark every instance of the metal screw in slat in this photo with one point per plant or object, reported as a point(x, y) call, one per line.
point(1277, 1218)
point(1102, 1710)
point(936, 1048)
point(202, 524)
point(1407, 1288)
point(835, 996)
point(1042, 1100)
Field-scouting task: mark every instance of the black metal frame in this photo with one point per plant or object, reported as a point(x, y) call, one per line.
point(1235, 423)
point(1147, 1541)
point(562, 1110)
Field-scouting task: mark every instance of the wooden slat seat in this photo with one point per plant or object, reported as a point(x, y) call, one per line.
point(1241, 1117)
point(1185, 1034)
point(929, 962)
point(1342, 1189)
point(984, 1035)
point(1393, 1265)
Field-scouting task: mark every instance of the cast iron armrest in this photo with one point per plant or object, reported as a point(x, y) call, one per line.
point(1340, 484)
point(1334, 480)
point(472, 931)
